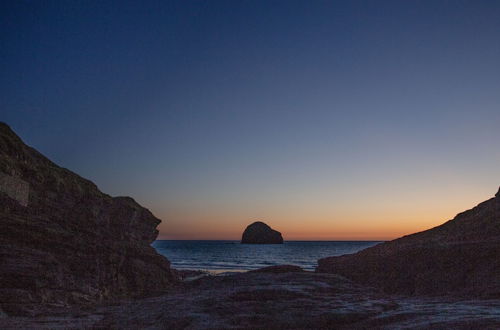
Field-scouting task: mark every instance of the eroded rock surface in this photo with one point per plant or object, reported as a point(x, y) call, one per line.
point(293, 300)
point(460, 257)
point(260, 233)
point(64, 242)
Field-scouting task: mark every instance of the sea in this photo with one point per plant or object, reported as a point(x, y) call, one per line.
point(232, 256)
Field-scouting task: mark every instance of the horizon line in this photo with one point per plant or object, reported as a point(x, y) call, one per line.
point(288, 240)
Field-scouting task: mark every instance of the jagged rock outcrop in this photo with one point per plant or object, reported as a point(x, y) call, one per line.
point(62, 241)
point(260, 233)
point(459, 257)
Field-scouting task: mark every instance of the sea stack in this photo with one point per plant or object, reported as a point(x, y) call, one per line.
point(260, 233)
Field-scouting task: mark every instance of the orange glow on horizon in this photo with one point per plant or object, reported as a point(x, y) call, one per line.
point(344, 235)
point(375, 221)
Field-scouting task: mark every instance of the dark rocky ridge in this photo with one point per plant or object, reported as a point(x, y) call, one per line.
point(459, 257)
point(64, 242)
point(260, 233)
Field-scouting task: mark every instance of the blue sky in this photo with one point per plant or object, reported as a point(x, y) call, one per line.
point(362, 119)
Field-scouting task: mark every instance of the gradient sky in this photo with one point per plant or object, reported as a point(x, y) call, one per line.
point(325, 119)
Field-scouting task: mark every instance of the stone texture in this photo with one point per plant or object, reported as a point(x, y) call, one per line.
point(64, 242)
point(460, 257)
point(260, 233)
point(15, 188)
point(296, 300)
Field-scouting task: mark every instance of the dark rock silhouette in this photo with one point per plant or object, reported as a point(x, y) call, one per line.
point(459, 257)
point(62, 241)
point(278, 269)
point(260, 233)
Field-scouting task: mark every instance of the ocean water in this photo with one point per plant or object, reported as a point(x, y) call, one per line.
point(226, 256)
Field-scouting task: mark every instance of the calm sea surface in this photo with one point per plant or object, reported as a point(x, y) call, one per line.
point(222, 256)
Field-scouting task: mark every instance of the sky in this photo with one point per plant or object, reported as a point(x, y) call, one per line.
point(328, 120)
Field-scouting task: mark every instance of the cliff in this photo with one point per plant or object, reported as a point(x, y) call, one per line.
point(459, 257)
point(64, 242)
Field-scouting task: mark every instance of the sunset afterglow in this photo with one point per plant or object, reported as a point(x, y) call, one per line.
point(329, 120)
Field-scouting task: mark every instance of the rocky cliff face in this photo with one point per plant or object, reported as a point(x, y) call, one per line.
point(460, 257)
point(62, 241)
point(260, 233)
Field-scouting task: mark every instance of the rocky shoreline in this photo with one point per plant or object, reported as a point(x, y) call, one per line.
point(273, 300)
point(63, 242)
point(460, 257)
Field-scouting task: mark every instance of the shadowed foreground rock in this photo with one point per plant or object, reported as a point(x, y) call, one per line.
point(260, 233)
point(62, 241)
point(460, 257)
point(293, 300)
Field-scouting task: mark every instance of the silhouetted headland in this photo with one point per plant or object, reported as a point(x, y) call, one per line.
point(64, 242)
point(459, 257)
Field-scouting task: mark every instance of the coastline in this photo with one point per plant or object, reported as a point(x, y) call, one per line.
point(117, 279)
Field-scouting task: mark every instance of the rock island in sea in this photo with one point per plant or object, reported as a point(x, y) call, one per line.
point(260, 233)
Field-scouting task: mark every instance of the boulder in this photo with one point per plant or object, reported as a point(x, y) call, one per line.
point(64, 242)
point(459, 257)
point(260, 233)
